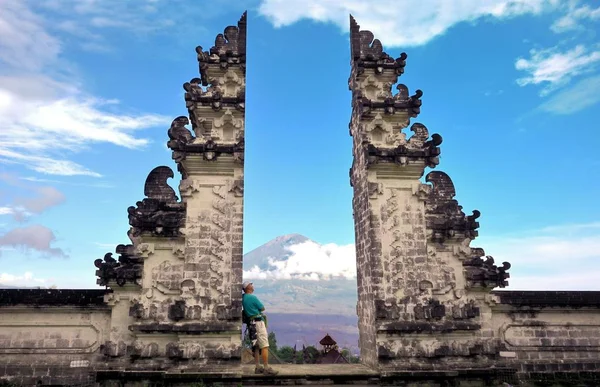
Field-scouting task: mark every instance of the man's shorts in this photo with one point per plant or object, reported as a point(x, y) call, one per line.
point(262, 337)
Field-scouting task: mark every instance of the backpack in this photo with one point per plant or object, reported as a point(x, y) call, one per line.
point(245, 319)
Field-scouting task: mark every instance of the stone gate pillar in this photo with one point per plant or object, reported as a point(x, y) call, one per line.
point(422, 291)
point(176, 290)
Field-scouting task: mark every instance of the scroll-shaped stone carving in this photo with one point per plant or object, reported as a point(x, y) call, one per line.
point(156, 186)
point(128, 268)
point(160, 213)
point(412, 150)
point(482, 273)
point(444, 216)
point(179, 135)
point(368, 51)
point(229, 48)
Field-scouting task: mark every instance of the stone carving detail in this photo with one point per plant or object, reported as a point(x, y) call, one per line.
point(444, 215)
point(114, 349)
point(191, 351)
point(448, 222)
point(177, 310)
point(367, 52)
point(432, 310)
point(167, 277)
point(159, 213)
point(226, 129)
point(128, 268)
point(485, 274)
point(179, 137)
point(143, 350)
point(229, 49)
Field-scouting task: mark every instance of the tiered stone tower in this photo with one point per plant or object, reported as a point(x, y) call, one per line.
point(176, 290)
point(422, 289)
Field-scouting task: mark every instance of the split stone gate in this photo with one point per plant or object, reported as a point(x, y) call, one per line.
point(427, 312)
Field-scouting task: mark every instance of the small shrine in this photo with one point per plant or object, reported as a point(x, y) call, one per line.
point(330, 353)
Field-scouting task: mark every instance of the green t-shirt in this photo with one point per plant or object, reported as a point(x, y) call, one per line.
point(251, 304)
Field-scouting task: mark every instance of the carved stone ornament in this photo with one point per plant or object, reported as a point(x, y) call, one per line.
point(229, 48)
point(482, 273)
point(367, 52)
point(413, 150)
point(159, 213)
point(128, 268)
point(444, 216)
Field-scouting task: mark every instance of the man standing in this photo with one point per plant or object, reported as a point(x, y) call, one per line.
point(253, 309)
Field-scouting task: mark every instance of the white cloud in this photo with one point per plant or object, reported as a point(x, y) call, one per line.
point(26, 279)
point(554, 257)
point(32, 238)
point(554, 68)
point(24, 42)
point(310, 261)
point(413, 23)
point(34, 103)
point(580, 96)
point(575, 15)
point(6, 210)
point(565, 280)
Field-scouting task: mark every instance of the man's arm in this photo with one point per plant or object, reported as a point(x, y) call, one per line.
point(259, 305)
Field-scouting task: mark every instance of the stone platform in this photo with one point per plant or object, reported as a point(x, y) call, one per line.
point(313, 374)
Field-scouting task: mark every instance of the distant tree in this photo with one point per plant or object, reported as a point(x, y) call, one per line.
point(313, 354)
point(299, 357)
point(286, 354)
point(348, 355)
point(273, 342)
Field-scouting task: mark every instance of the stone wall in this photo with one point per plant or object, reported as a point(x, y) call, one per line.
point(426, 305)
point(179, 307)
point(51, 336)
point(549, 336)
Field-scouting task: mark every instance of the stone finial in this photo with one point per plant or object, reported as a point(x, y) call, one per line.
point(156, 186)
point(229, 48)
point(127, 269)
point(367, 52)
point(444, 215)
point(159, 213)
point(486, 274)
point(179, 135)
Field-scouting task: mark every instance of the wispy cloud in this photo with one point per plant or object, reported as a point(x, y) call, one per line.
point(580, 96)
point(25, 279)
point(24, 42)
point(574, 17)
point(539, 258)
point(30, 199)
point(32, 238)
point(34, 102)
point(393, 24)
point(553, 69)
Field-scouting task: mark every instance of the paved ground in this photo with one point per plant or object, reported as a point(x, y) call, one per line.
point(314, 370)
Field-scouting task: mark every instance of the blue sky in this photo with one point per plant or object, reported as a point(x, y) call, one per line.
point(88, 90)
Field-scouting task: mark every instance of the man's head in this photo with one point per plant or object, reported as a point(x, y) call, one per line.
point(247, 287)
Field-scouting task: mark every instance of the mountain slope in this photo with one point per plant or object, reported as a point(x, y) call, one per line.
point(334, 296)
point(275, 248)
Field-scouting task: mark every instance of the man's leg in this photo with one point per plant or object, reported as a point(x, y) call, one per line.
point(265, 356)
point(263, 342)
